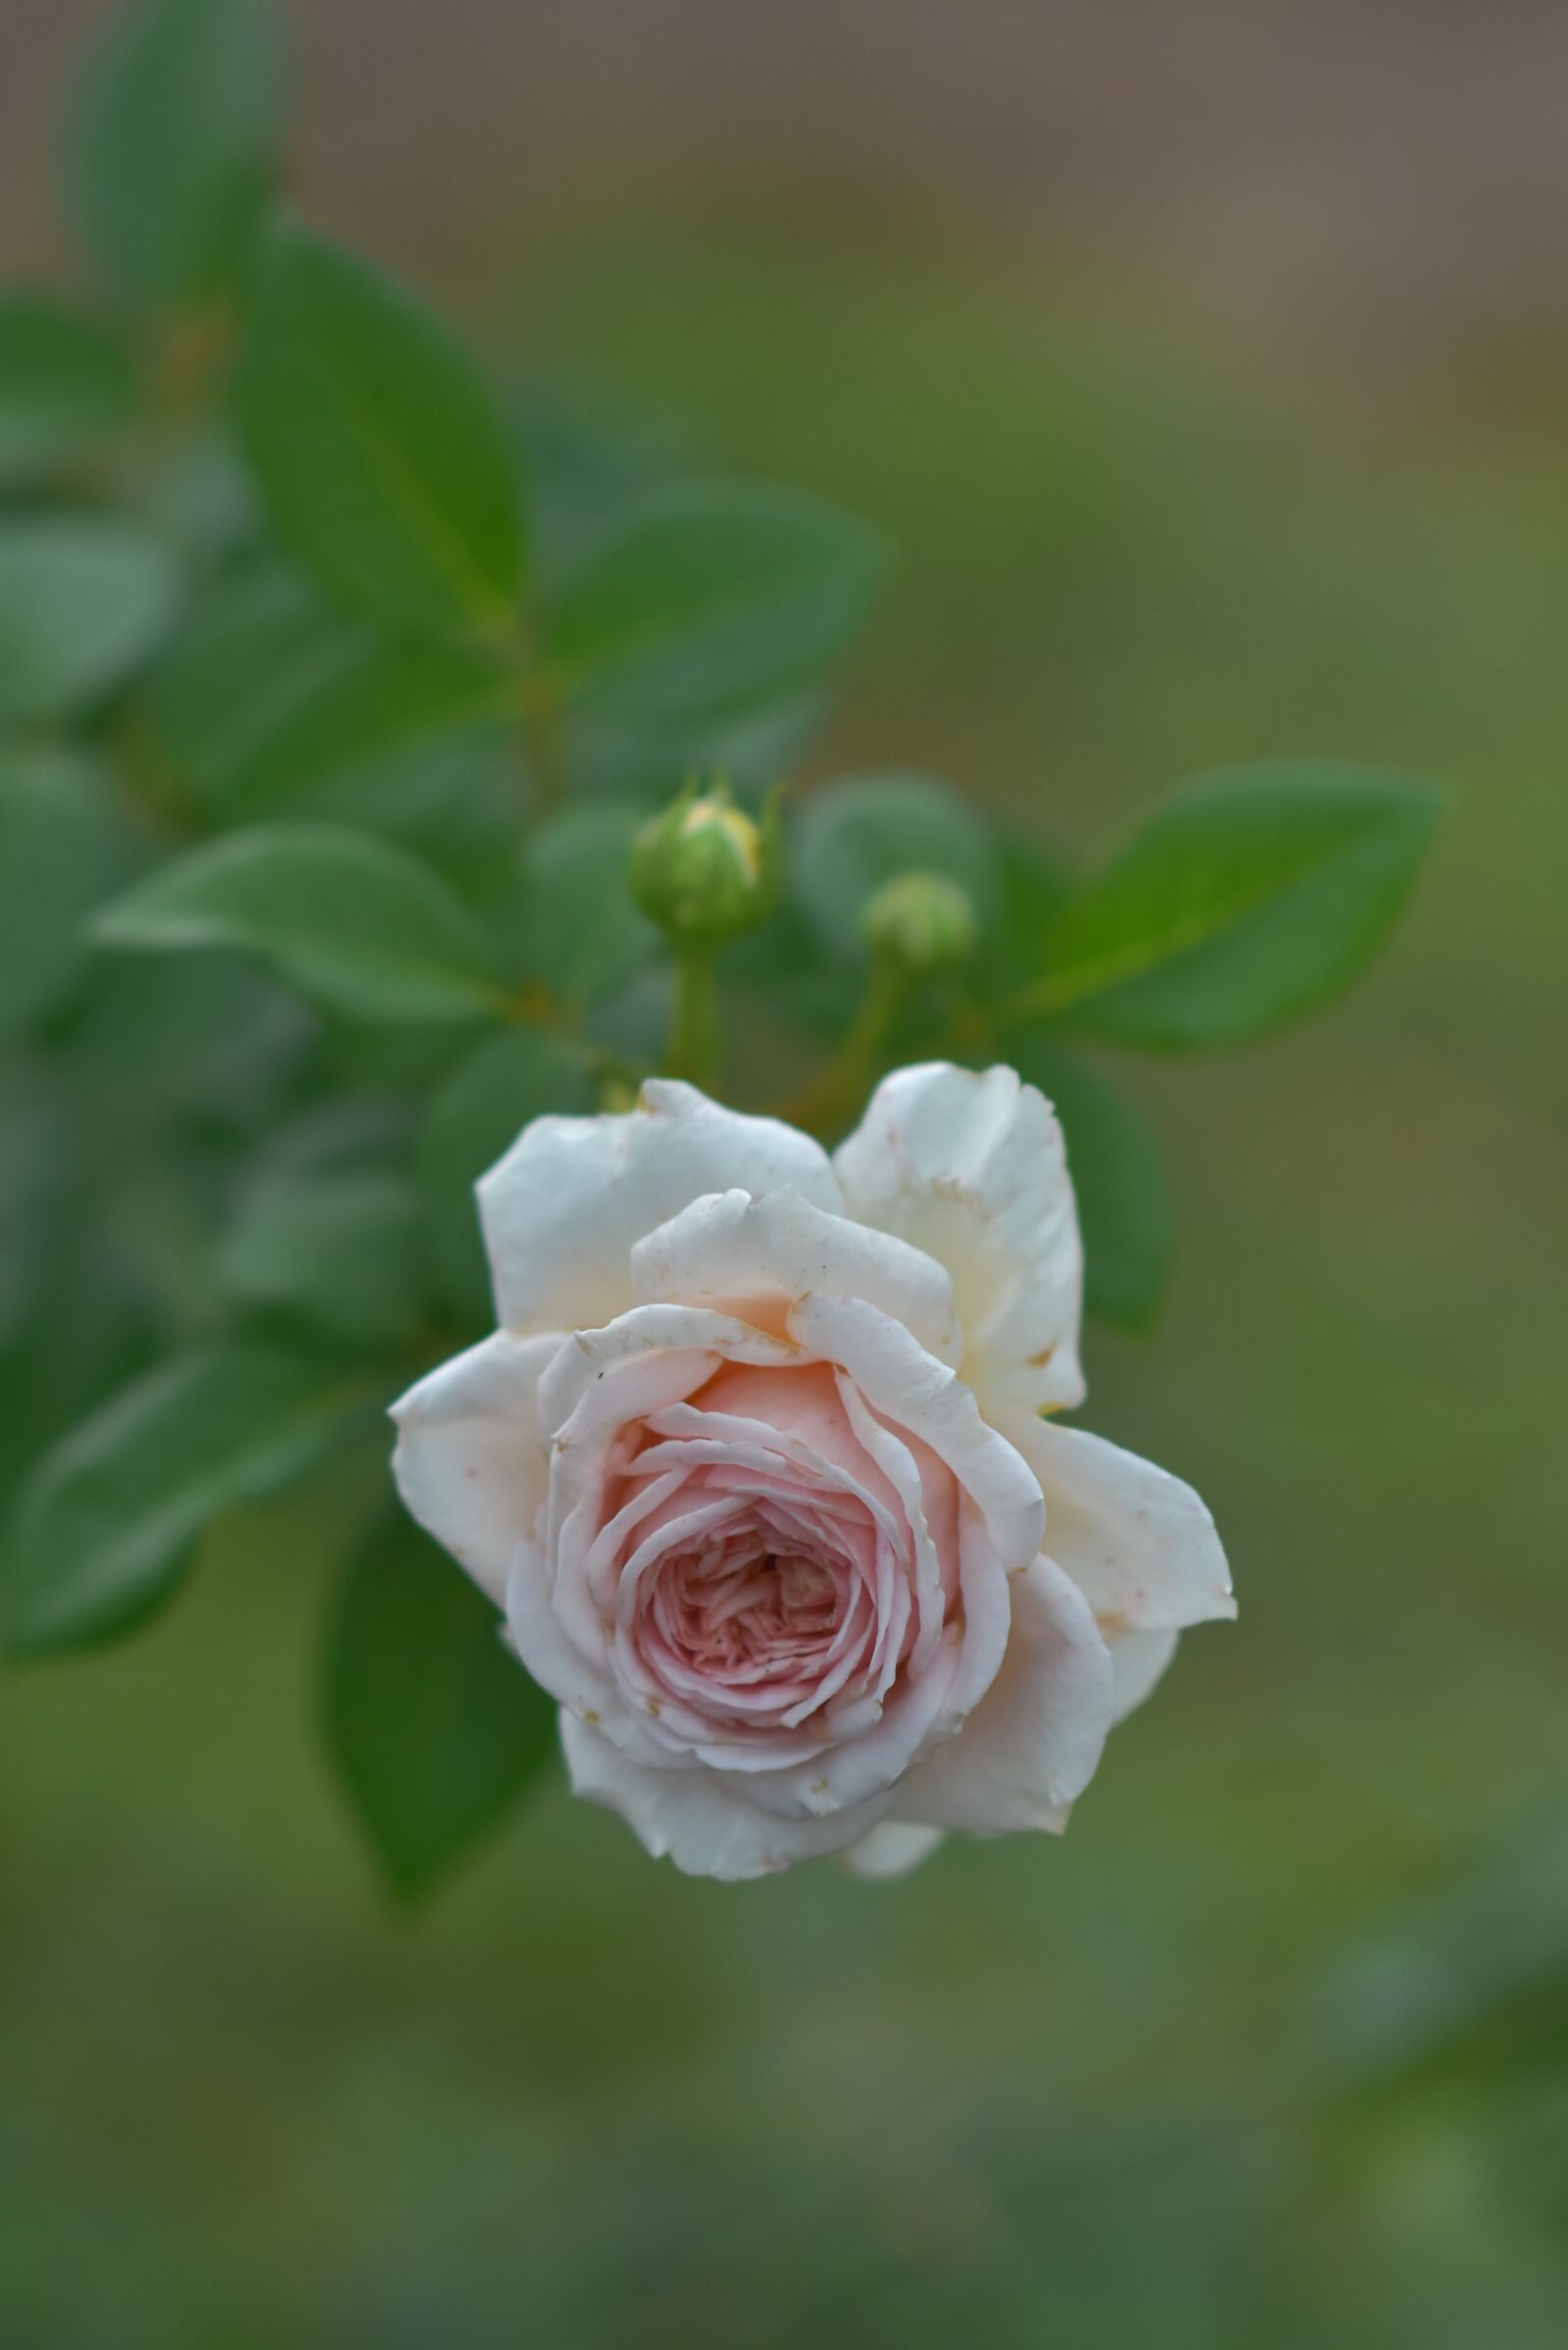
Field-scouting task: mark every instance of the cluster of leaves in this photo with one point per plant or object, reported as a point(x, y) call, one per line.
point(333, 686)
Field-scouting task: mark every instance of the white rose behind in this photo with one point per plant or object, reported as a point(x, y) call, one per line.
point(757, 1468)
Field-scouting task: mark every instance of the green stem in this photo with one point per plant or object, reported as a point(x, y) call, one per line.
point(834, 1097)
point(694, 1046)
point(536, 718)
point(544, 750)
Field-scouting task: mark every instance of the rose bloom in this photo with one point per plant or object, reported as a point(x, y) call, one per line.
point(760, 1470)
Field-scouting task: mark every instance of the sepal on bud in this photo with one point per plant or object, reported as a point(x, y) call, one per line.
point(704, 870)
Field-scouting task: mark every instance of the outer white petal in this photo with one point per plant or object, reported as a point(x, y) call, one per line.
point(647, 1336)
point(1032, 1744)
point(700, 1818)
point(972, 1170)
point(892, 1849)
point(576, 1673)
point(471, 1461)
point(915, 1391)
point(563, 1208)
point(1139, 1543)
point(731, 1250)
point(1137, 1661)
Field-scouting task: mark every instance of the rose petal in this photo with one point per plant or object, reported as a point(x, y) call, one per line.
point(1032, 1744)
point(912, 1481)
point(564, 1207)
point(1139, 1543)
point(700, 1818)
point(870, 1763)
point(471, 1461)
point(892, 1849)
point(972, 1170)
point(574, 1669)
point(908, 1387)
point(1137, 1661)
point(644, 1336)
point(730, 1250)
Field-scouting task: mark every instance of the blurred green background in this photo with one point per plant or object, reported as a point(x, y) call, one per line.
point(1210, 424)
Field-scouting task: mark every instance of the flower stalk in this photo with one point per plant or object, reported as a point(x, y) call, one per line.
point(695, 1049)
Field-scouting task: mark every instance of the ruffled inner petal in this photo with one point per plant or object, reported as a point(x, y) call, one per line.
point(764, 1583)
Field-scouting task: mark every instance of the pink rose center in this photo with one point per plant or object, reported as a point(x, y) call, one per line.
point(758, 1566)
point(742, 1611)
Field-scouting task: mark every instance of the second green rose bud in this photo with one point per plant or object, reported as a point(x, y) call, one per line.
point(920, 925)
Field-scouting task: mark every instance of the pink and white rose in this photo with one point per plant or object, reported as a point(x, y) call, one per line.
point(758, 1467)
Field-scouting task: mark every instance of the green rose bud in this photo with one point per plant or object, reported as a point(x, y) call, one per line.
point(704, 870)
point(921, 924)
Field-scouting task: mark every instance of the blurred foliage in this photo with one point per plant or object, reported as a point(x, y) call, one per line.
point(333, 687)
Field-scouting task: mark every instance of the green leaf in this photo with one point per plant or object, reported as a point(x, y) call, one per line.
point(352, 922)
point(36, 1167)
point(338, 1246)
point(1032, 887)
point(853, 836)
point(64, 846)
point(476, 1115)
point(258, 644)
point(174, 143)
point(199, 493)
point(1124, 1205)
point(381, 458)
point(711, 598)
point(434, 1728)
point(573, 925)
point(384, 700)
point(1238, 905)
point(587, 456)
point(274, 696)
point(154, 1053)
point(65, 385)
point(82, 602)
point(108, 1522)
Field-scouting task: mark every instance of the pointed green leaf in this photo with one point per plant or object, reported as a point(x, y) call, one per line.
point(336, 1246)
point(1240, 903)
point(108, 1522)
point(379, 452)
point(357, 925)
point(37, 1164)
point(175, 142)
point(434, 1727)
point(709, 599)
point(1032, 886)
point(274, 696)
point(258, 646)
point(65, 385)
point(382, 700)
point(64, 846)
point(572, 923)
point(83, 599)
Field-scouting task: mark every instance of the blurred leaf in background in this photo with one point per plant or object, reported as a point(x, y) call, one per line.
point(173, 143)
point(67, 386)
point(377, 446)
point(83, 599)
point(434, 1729)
